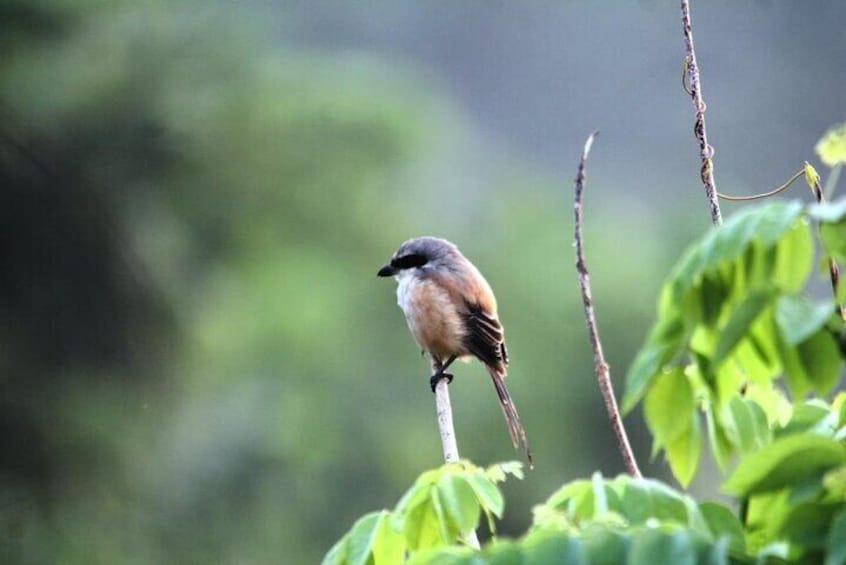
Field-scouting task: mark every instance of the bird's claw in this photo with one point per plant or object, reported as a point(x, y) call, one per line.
point(433, 380)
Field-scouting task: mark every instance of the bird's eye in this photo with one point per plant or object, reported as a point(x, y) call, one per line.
point(409, 261)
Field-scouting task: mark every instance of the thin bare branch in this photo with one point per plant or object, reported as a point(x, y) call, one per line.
point(448, 441)
point(773, 192)
point(694, 89)
point(603, 375)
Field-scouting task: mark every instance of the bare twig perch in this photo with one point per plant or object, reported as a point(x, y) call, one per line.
point(448, 441)
point(601, 367)
point(692, 87)
point(445, 426)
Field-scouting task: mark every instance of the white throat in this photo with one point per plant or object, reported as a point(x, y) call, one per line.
point(404, 278)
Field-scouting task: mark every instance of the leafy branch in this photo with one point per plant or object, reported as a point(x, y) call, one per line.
point(433, 513)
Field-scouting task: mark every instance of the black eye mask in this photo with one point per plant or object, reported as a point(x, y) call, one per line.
point(408, 261)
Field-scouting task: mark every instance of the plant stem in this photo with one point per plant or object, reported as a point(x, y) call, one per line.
point(601, 367)
point(448, 441)
point(445, 425)
point(833, 267)
point(694, 89)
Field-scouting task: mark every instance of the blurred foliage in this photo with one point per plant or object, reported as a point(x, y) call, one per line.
point(197, 361)
point(733, 317)
point(442, 507)
point(183, 219)
point(832, 147)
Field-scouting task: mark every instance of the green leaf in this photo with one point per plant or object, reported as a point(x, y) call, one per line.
point(811, 416)
point(756, 359)
point(772, 400)
point(655, 546)
point(836, 542)
point(713, 294)
point(418, 493)
point(553, 548)
point(764, 515)
point(661, 346)
point(724, 524)
point(600, 498)
point(450, 555)
point(766, 225)
point(642, 500)
point(716, 554)
point(498, 472)
point(545, 517)
point(337, 554)
point(839, 405)
point(571, 495)
point(807, 524)
point(746, 424)
point(372, 539)
point(739, 322)
point(721, 447)
point(459, 501)
point(798, 317)
point(389, 544)
point(668, 407)
point(821, 359)
point(448, 530)
point(814, 364)
point(502, 552)
point(833, 236)
point(795, 373)
point(422, 525)
point(832, 147)
point(784, 462)
point(759, 247)
point(605, 546)
point(794, 258)
point(363, 536)
point(585, 501)
point(683, 452)
point(487, 493)
point(776, 219)
point(835, 482)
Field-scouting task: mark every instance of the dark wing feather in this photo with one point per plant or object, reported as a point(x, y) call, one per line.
point(485, 340)
point(484, 337)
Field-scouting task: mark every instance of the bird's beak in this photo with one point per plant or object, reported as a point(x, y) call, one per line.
point(386, 271)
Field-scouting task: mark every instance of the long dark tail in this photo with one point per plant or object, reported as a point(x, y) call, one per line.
point(512, 418)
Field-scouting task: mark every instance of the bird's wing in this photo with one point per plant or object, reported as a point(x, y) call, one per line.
point(484, 338)
point(474, 300)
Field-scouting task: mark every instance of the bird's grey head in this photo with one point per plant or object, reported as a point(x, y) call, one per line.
point(420, 252)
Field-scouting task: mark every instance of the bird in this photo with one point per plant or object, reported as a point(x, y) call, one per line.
point(451, 311)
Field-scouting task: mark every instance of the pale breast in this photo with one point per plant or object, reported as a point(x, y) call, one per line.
point(432, 318)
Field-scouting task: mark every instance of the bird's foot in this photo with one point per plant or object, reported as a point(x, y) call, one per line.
point(433, 381)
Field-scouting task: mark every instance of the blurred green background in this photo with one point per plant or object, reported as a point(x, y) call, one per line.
point(197, 362)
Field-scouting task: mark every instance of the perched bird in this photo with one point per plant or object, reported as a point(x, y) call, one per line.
point(451, 312)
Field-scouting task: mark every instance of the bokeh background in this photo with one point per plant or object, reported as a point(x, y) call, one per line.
point(197, 362)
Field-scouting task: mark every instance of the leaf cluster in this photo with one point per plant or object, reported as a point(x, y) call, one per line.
point(741, 356)
point(440, 509)
point(733, 324)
